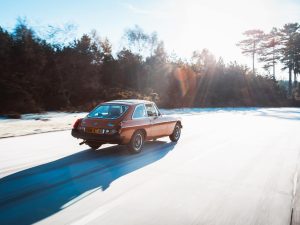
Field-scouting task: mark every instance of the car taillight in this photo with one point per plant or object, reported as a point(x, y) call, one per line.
point(76, 124)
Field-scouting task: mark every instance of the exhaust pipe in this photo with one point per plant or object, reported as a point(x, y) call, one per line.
point(83, 142)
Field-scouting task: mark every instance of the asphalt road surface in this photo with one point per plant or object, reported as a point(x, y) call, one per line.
point(229, 167)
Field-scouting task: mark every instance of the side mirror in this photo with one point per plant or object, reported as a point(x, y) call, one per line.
point(155, 115)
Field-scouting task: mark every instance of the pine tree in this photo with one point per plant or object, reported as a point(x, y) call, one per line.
point(270, 50)
point(288, 36)
point(250, 46)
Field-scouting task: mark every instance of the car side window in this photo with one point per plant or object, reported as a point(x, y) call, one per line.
point(139, 112)
point(157, 110)
point(151, 111)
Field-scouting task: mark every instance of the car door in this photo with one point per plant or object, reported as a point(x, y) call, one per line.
point(155, 119)
point(141, 120)
point(163, 125)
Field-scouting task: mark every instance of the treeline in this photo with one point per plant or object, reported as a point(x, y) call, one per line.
point(280, 45)
point(38, 75)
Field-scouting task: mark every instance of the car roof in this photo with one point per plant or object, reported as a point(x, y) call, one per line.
point(129, 101)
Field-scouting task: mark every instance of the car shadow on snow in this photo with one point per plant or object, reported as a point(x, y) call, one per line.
point(36, 193)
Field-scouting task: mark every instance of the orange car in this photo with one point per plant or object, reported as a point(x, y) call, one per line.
point(125, 122)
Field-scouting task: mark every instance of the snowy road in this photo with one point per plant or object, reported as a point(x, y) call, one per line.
point(230, 167)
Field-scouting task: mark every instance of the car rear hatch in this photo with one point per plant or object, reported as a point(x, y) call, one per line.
point(99, 126)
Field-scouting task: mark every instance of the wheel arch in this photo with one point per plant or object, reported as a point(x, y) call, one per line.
point(142, 130)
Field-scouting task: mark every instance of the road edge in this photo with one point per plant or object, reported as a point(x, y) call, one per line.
point(295, 213)
point(41, 132)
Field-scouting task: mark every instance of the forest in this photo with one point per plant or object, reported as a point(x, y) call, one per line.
point(39, 74)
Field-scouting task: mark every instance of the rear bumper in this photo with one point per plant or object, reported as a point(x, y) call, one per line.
point(112, 139)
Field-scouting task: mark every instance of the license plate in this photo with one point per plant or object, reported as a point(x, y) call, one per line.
point(93, 130)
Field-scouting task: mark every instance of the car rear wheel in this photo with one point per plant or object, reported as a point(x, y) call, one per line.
point(174, 137)
point(94, 146)
point(136, 142)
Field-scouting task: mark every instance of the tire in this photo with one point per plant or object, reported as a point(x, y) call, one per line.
point(174, 137)
point(94, 146)
point(136, 143)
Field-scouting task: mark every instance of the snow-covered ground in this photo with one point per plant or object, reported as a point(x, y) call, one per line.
point(230, 166)
point(57, 121)
point(38, 123)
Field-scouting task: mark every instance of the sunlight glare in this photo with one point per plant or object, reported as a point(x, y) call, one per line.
point(206, 21)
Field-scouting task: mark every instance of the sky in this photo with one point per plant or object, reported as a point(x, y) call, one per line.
point(183, 25)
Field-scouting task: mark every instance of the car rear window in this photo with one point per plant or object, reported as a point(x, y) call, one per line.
point(108, 111)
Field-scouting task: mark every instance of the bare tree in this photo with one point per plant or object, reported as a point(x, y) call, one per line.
point(141, 42)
